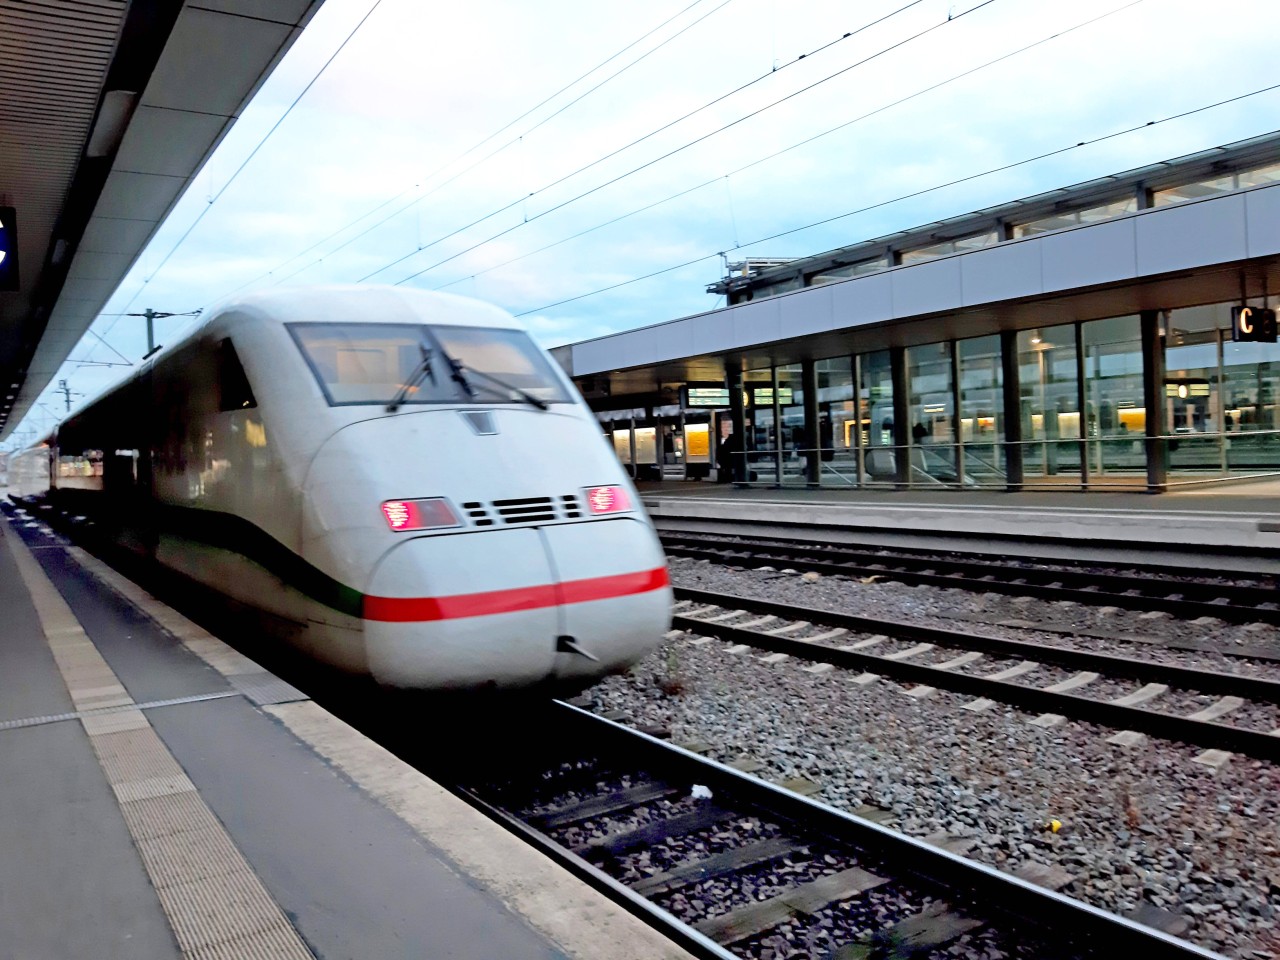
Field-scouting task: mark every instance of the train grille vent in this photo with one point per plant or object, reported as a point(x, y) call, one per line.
point(529, 510)
point(526, 510)
point(477, 514)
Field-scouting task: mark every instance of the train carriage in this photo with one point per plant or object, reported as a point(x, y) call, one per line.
point(403, 480)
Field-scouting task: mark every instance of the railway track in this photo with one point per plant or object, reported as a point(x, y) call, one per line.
point(730, 866)
point(864, 644)
point(1134, 588)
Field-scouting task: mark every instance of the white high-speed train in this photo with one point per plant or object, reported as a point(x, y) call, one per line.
point(403, 480)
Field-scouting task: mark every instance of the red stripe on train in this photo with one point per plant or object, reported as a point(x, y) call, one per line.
point(414, 609)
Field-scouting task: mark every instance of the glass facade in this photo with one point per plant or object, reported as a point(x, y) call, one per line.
point(1085, 411)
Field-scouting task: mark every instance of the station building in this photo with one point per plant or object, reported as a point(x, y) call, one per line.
point(1092, 337)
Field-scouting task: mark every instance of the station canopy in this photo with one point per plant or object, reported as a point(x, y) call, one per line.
point(108, 111)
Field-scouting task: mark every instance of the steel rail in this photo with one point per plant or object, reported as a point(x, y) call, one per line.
point(1136, 575)
point(1166, 726)
point(1094, 589)
point(1007, 897)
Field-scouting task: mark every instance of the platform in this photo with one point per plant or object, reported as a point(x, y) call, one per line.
point(161, 796)
point(1237, 525)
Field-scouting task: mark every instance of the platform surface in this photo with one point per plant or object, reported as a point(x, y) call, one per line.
point(161, 795)
point(1239, 518)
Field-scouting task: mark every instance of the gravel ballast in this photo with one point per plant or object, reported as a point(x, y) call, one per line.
point(1143, 824)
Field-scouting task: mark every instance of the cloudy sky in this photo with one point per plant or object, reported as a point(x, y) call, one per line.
point(590, 165)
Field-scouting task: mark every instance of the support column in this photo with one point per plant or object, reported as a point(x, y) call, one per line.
point(738, 415)
point(901, 418)
point(1011, 390)
point(957, 428)
point(1082, 397)
point(1153, 400)
point(812, 436)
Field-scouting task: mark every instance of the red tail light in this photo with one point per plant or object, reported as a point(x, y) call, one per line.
point(405, 515)
point(607, 500)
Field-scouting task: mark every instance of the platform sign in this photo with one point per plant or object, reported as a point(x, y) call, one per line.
point(8, 249)
point(707, 397)
point(1253, 325)
point(763, 396)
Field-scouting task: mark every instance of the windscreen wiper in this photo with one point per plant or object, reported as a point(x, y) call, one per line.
point(423, 371)
point(524, 395)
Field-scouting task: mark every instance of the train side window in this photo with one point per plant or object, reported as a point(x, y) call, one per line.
point(233, 386)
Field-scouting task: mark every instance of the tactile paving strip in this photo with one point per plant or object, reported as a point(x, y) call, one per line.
point(263, 688)
point(112, 719)
point(215, 903)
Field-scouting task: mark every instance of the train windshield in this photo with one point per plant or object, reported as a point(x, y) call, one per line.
point(415, 364)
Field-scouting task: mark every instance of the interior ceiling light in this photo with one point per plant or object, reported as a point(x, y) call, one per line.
point(113, 119)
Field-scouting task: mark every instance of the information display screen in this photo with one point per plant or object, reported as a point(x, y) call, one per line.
point(708, 397)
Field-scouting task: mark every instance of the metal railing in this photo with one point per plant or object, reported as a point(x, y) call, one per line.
point(1110, 461)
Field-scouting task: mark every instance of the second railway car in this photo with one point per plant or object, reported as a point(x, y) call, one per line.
point(403, 480)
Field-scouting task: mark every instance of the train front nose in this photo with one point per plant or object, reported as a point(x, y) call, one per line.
point(616, 598)
point(516, 607)
point(462, 612)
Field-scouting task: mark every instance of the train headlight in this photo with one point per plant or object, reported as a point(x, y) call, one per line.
point(429, 514)
point(607, 500)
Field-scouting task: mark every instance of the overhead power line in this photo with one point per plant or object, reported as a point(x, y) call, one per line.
point(778, 153)
point(470, 150)
point(917, 193)
point(671, 153)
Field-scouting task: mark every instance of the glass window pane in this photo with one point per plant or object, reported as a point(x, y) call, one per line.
point(837, 422)
point(1251, 404)
point(1072, 218)
point(930, 402)
point(792, 439)
point(1048, 386)
point(761, 441)
point(859, 269)
point(1255, 178)
point(1192, 399)
point(1193, 191)
point(376, 362)
point(930, 252)
point(875, 415)
point(773, 289)
point(1115, 416)
point(982, 410)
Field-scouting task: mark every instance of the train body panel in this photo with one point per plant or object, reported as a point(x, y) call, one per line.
point(274, 453)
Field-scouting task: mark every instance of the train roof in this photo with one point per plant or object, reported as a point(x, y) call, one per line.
point(335, 303)
point(366, 303)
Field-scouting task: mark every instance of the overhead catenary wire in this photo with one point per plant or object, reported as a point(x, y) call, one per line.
point(666, 126)
point(917, 193)
point(666, 156)
point(324, 67)
point(801, 143)
point(520, 201)
point(462, 156)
